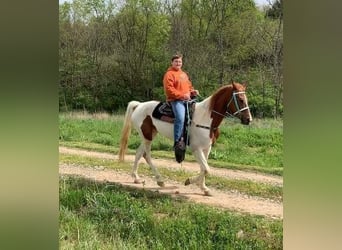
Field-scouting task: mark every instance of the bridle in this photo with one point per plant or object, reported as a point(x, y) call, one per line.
point(227, 113)
point(238, 109)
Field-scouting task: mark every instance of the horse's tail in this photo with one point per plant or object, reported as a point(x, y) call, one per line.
point(126, 130)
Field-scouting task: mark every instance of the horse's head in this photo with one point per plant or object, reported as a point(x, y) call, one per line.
point(230, 100)
point(238, 104)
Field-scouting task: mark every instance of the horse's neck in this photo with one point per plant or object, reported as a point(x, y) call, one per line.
point(205, 115)
point(202, 109)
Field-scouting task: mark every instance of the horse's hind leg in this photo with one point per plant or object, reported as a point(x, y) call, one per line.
point(144, 150)
point(147, 156)
point(138, 155)
point(147, 132)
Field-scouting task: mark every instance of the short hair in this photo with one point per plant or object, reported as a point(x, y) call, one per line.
point(176, 56)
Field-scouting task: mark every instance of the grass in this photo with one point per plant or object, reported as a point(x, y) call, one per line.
point(258, 147)
point(106, 216)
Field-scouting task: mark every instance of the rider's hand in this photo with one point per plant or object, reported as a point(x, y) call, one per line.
point(194, 92)
point(186, 96)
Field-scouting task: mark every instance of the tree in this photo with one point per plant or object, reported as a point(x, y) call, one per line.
point(114, 51)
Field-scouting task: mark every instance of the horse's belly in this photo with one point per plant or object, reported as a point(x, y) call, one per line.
point(164, 128)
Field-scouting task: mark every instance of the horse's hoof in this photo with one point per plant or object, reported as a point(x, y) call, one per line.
point(161, 183)
point(187, 182)
point(138, 181)
point(207, 193)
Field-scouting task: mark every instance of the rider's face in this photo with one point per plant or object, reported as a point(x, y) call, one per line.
point(177, 63)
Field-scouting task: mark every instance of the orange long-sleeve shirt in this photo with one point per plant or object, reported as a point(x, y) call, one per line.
point(176, 84)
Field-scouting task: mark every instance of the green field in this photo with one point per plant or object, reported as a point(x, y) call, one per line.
point(257, 147)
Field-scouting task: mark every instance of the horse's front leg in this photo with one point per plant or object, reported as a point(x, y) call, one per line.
point(207, 152)
point(201, 158)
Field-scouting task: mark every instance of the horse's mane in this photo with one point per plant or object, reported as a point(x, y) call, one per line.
point(217, 96)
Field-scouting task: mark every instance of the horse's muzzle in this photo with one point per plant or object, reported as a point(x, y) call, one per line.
point(245, 121)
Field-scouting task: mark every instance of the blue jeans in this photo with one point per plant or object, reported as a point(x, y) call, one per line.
point(178, 108)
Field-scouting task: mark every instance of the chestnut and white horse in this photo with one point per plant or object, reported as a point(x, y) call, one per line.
point(229, 100)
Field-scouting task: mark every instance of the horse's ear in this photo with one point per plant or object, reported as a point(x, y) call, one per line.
point(245, 84)
point(234, 85)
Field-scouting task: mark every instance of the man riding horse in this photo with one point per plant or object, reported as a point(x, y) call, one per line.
point(178, 88)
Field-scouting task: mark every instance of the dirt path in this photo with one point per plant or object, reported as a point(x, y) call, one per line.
point(187, 166)
point(229, 200)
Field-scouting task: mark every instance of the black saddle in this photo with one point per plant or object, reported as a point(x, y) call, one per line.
point(163, 111)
